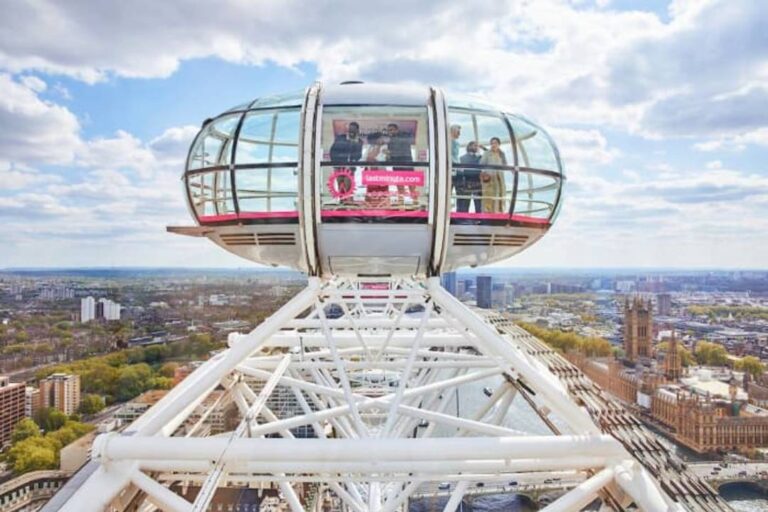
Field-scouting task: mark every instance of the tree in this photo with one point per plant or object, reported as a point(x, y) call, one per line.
point(33, 454)
point(160, 383)
point(200, 344)
point(751, 365)
point(25, 429)
point(133, 381)
point(50, 419)
point(711, 354)
point(686, 358)
point(168, 370)
point(91, 404)
point(155, 353)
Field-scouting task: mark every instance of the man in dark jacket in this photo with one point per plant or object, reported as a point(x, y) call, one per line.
point(467, 181)
point(348, 147)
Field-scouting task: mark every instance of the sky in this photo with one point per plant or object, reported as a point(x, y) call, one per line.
point(660, 111)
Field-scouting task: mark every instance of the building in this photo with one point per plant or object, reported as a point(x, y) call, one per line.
point(664, 304)
point(62, 392)
point(11, 407)
point(638, 329)
point(32, 402)
point(701, 412)
point(673, 365)
point(104, 309)
point(484, 292)
point(87, 309)
point(74, 456)
point(108, 310)
point(449, 282)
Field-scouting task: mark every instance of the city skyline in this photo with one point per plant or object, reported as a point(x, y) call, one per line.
point(658, 109)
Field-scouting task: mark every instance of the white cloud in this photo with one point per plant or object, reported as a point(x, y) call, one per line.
point(740, 142)
point(34, 130)
point(123, 151)
point(583, 147)
point(19, 176)
point(33, 83)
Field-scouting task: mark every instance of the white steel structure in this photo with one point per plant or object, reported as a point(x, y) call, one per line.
point(374, 350)
point(378, 386)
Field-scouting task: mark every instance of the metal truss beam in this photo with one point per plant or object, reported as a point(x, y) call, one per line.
point(376, 385)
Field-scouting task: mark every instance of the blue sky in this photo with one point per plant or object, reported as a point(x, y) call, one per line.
point(660, 110)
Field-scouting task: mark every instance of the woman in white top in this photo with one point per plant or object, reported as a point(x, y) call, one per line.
point(493, 179)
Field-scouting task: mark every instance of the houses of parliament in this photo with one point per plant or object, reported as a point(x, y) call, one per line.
point(706, 409)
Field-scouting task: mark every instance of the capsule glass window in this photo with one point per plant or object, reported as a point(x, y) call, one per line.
point(375, 159)
point(213, 145)
point(535, 149)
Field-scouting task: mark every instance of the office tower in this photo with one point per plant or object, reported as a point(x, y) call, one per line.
point(664, 304)
point(62, 392)
point(484, 292)
point(11, 407)
point(449, 282)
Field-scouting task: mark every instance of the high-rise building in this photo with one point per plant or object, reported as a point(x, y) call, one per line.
point(638, 328)
point(62, 392)
point(484, 292)
point(11, 407)
point(109, 310)
point(449, 282)
point(32, 401)
point(664, 304)
point(91, 309)
point(87, 309)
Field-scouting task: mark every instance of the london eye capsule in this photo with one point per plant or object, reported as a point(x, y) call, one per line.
point(372, 180)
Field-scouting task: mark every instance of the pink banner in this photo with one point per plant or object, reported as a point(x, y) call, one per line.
point(374, 286)
point(399, 178)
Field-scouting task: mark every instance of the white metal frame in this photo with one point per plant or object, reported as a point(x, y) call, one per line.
point(377, 385)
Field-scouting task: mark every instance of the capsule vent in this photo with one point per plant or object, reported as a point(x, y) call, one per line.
point(489, 239)
point(238, 238)
point(509, 240)
point(472, 239)
point(276, 238)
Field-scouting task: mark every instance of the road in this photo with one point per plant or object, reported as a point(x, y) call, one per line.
point(734, 471)
point(519, 483)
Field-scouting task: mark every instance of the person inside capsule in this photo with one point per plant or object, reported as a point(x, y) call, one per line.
point(376, 196)
point(399, 150)
point(493, 179)
point(467, 181)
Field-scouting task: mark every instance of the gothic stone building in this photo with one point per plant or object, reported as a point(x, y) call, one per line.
point(638, 328)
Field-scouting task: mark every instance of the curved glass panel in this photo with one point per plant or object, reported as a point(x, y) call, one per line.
point(269, 136)
point(211, 194)
point(213, 145)
point(269, 190)
point(480, 145)
point(239, 108)
point(536, 195)
point(470, 103)
point(534, 147)
point(375, 163)
point(290, 99)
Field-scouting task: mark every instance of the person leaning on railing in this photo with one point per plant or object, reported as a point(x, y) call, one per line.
point(493, 179)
